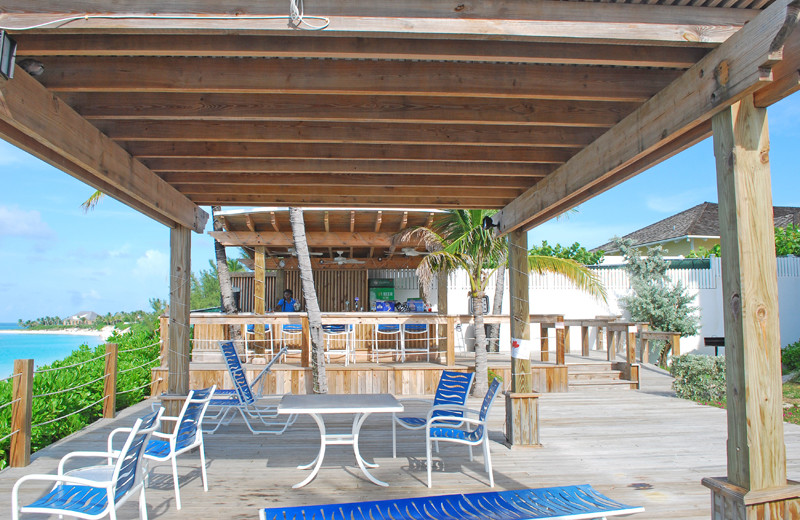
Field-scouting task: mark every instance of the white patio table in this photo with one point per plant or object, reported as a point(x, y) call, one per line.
point(319, 405)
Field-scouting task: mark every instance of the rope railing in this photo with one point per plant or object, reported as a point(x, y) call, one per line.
point(159, 358)
point(9, 435)
point(151, 345)
point(63, 390)
point(43, 370)
point(45, 423)
point(150, 383)
point(12, 376)
point(18, 399)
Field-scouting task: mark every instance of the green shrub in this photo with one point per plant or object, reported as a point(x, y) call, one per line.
point(790, 357)
point(699, 378)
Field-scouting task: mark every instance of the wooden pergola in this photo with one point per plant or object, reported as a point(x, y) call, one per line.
point(530, 107)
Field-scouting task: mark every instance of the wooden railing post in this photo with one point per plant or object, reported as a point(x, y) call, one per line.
point(305, 345)
point(561, 341)
point(164, 332)
point(450, 357)
point(567, 339)
point(631, 345)
point(584, 341)
point(22, 397)
point(611, 346)
point(644, 355)
point(676, 344)
point(545, 349)
point(110, 382)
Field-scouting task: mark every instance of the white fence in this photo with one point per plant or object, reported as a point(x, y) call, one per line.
point(552, 294)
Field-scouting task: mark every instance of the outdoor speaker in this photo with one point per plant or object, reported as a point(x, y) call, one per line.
point(8, 53)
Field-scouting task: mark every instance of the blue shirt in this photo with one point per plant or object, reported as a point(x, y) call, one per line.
point(287, 306)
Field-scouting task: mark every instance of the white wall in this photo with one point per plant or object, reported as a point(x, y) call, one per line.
point(552, 294)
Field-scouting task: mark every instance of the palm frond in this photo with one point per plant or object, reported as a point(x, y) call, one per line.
point(92, 201)
point(583, 277)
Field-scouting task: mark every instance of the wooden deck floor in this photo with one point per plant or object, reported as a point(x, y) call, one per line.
point(639, 447)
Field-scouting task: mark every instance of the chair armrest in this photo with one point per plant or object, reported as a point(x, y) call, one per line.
point(451, 408)
point(111, 438)
point(169, 418)
point(85, 454)
point(162, 435)
point(464, 420)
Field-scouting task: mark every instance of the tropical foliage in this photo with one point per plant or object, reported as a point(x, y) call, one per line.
point(787, 242)
point(574, 252)
point(667, 306)
point(699, 378)
point(790, 357)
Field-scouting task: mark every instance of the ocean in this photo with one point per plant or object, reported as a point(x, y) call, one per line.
point(42, 348)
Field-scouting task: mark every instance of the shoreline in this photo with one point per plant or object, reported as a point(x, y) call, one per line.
point(103, 333)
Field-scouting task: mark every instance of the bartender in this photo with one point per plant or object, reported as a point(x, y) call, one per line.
point(287, 303)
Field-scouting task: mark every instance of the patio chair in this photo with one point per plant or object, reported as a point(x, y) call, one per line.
point(249, 338)
point(244, 398)
point(438, 429)
point(291, 330)
point(339, 333)
point(419, 330)
point(187, 435)
point(453, 389)
point(95, 491)
point(385, 330)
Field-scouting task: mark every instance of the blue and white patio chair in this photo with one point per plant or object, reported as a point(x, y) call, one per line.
point(421, 333)
point(249, 338)
point(187, 435)
point(339, 334)
point(246, 398)
point(453, 389)
point(95, 491)
point(439, 428)
point(381, 333)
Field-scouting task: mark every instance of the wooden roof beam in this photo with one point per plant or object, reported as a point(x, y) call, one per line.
point(327, 224)
point(399, 78)
point(57, 130)
point(553, 21)
point(378, 219)
point(738, 67)
point(444, 201)
point(403, 224)
point(352, 228)
point(331, 107)
point(315, 239)
point(274, 221)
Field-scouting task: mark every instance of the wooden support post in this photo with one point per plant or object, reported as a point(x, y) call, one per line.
point(544, 354)
point(644, 345)
point(584, 341)
point(179, 305)
point(522, 411)
point(110, 382)
point(441, 309)
point(280, 286)
point(22, 397)
point(450, 359)
point(611, 344)
point(305, 344)
point(630, 345)
point(567, 339)
point(164, 333)
point(676, 344)
point(756, 449)
point(561, 339)
point(259, 293)
point(519, 307)
point(599, 338)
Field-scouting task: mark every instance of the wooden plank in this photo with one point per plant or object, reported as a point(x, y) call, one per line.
point(315, 238)
point(584, 341)
point(19, 452)
point(728, 73)
point(519, 309)
point(110, 382)
point(321, 47)
point(223, 190)
point(756, 451)
point(327, 107)
point(179, 306)
point(402, 78)
point(29, 108)
point(561, 342)
point(348, 132)
point(450, 359)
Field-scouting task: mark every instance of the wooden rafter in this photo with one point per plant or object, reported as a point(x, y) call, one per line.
point(327, 224)
point(58, 131)
point(735, 69)
point(352, 228)
point(315, 239)
point(378, 219)
point(403, 224)
point(274, 221)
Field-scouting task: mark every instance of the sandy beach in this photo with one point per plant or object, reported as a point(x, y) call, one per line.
point(103, 333)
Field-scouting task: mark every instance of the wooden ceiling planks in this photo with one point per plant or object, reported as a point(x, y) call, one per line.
point(395, 105)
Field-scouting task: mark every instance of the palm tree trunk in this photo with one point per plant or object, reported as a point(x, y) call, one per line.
point(497, 306)
point(320, 379)
point(225, 287)
point(481, 358)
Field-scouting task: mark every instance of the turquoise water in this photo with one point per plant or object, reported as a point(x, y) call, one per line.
point(42, 348)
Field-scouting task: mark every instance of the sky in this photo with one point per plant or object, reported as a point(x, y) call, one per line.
point(57, 260)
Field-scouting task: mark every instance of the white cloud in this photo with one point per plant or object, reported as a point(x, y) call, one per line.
point(120, 252)
point(154, 263)
point(91, 295)
point(18, 222)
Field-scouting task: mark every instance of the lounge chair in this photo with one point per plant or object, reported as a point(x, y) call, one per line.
point(440, 428)
point(188, 434)
point(554, 503)
point(453, 389)
point(95, 491)
point(246, 398)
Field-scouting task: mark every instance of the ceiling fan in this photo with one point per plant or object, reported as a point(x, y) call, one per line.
point(340, 259)
point(410, 251)
point(293, 252)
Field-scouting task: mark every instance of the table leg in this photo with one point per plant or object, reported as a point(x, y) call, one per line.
point(317, 462)
point(363, 464)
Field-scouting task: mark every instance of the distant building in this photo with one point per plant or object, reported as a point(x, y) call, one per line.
point(82, 318)
point(692, 229)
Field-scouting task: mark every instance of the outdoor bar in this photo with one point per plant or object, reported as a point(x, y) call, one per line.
point(530, 108)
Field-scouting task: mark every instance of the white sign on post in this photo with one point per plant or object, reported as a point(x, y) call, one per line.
point(521, 348)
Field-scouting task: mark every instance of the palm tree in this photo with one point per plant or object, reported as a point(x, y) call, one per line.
point(319, 377)
point(225, 288)
point(459, 242)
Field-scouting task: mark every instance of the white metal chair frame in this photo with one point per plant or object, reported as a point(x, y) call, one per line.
point(388, 330)
point(414, 332)
point(329, 333)
point(249, 337)
point(98, 478)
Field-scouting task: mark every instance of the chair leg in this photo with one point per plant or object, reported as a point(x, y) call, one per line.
point(488, 460)
point(470, 452)
point(175, 483)
point(429, 460)
point(203, 465)
point(142, 505)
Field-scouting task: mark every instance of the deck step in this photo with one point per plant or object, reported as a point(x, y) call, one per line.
point(596, 374)
point(606, 375)
point(601, 382)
